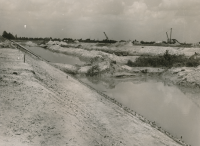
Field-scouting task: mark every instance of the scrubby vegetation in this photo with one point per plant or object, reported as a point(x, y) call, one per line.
point(93, 71)
point(166, 60)
point(193, 62)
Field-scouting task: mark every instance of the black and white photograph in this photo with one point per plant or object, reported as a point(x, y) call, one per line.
point(99, 73)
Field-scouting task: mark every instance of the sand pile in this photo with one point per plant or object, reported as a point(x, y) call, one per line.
point(5, 44)
point(50, 43)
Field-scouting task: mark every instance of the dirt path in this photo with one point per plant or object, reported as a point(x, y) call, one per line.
point(41, 105)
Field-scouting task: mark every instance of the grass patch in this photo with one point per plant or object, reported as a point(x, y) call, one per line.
point(166, 60)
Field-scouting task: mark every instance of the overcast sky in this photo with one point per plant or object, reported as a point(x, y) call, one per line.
point(146, 20)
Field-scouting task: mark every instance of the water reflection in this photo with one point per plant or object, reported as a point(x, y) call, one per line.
point(55, 57)
point(163, 103)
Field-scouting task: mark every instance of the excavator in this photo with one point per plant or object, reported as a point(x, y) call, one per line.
point(106, 36)
point(170, 40)
point(175, 41)
point(107, 40)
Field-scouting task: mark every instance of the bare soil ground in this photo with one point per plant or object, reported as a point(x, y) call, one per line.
point(41, 105)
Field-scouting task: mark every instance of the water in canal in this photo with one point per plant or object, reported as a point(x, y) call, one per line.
point(175, 111)
point(167, 105)
point(55, 57)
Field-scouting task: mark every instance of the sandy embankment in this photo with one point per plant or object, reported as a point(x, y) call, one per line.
point(41, 105)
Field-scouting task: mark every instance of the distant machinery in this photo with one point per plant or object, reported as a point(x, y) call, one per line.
point(170, 40)
point(167, 38)
point(106, 36)
point(175, 41)
point(170, 36)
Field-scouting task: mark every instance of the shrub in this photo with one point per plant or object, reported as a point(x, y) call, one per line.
point(96, 59)
point(93, 71)
point(131, 63)
point(192, 63)
point(114, 62)
point(166, 60)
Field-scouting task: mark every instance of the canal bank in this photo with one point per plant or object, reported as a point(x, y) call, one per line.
point(48, 107)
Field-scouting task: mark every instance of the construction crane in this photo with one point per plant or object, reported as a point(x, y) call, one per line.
point(170, 36)
point(167, 38)
point(106, 36)
point(170, 40)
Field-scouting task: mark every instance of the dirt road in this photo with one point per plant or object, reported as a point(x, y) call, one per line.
point(41, 105)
